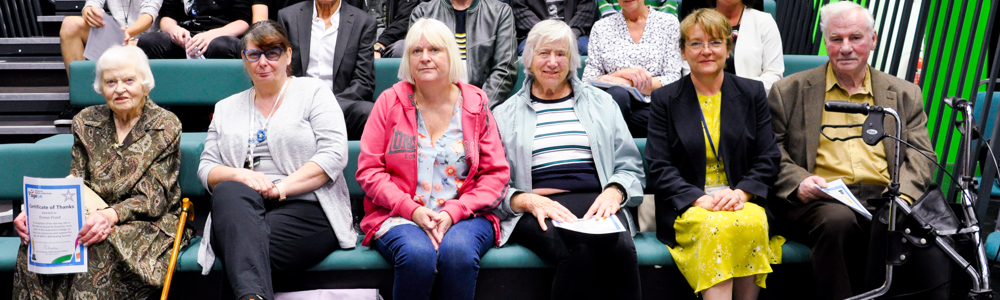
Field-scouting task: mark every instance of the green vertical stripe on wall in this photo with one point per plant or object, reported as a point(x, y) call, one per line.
point(942, 54)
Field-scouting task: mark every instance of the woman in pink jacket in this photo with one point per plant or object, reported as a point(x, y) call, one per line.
point(432, 167)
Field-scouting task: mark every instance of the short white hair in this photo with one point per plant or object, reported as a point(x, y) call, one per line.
point(831, 10)
point(546, 32)
point(438, 35)
point(120, 57)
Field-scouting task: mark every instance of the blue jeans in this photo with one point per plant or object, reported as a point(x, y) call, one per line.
point(456, 261)
point(581, 44)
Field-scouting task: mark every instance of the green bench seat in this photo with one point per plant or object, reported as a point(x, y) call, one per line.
point(795, 63)
point(50, 158)
point(649, 250)
point(179, 82)
point(8, 253)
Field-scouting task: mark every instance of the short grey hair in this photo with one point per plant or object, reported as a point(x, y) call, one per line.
point(831, 10)
point(122, 56)
point(546, 32)
point(439, 35)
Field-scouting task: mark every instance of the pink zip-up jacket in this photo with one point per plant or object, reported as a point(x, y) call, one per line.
point(387, 166)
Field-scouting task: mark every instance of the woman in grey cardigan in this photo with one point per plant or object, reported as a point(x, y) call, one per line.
point(571, 156)
point(274, 160)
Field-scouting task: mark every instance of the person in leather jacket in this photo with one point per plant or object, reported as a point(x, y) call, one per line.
point(485, 33)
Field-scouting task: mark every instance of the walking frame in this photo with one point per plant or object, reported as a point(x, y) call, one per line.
point(873, 132)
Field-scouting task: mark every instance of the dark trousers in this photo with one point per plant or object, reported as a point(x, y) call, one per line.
point(838, 237)
point(356, 115)
point(395, 49)
point(635, 112)
point(588, 266)
point(257, 238)
point(158, 45)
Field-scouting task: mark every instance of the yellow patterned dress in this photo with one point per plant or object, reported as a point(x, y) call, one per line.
point(713, 247)
point(139, 179)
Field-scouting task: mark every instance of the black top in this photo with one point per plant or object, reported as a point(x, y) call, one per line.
point(273, 6)
point(206, 14)
point(459, 21)
point(397, 19)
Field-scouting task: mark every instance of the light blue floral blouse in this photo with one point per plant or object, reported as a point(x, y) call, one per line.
point(441, 167)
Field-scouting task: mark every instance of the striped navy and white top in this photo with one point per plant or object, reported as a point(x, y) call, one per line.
point(561, 156)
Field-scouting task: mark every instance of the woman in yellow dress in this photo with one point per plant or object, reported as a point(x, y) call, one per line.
point(711, 178)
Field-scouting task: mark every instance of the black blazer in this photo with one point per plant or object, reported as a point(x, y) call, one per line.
point(675, 148)
point(354, 70)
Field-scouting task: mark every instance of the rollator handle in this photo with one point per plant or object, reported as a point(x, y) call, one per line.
point(850, 107)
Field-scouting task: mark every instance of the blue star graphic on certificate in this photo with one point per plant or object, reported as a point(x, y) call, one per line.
point(70, 196)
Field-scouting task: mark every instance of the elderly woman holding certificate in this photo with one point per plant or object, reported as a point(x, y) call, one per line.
point(572, 157)
point(127, 152)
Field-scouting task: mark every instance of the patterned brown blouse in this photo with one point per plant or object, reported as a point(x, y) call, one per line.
point(139, 179)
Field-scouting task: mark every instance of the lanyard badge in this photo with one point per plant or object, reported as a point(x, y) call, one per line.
point(261, 135)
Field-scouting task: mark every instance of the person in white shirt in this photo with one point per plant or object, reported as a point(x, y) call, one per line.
point(332, 40)
point(758, 53)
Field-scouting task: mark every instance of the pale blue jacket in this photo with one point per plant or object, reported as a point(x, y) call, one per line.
point(615, 154)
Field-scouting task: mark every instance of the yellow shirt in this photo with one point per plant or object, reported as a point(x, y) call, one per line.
point(853, 160)
point(715, 173)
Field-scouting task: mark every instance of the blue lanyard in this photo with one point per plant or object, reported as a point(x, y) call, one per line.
point(709, 135)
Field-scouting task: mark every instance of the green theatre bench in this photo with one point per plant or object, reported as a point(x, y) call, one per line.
point(50, 157)
point(203, 82)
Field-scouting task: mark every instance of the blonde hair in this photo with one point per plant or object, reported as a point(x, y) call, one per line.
point(438, 35)
point(120, 57)
point(713, 22)
point(546, 32)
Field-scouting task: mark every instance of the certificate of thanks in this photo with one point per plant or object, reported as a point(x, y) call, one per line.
point(55, 216)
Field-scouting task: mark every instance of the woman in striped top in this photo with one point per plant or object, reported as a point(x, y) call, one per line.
point(571, 157)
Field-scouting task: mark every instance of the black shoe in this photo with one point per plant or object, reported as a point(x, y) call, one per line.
point(66, 116)
point(252, 297)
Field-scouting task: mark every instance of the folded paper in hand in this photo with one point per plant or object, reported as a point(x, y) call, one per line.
point(102, 38)
point(594, 225)
point(838, 190)
point(631, 89)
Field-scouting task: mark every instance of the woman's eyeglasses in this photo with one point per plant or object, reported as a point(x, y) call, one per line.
point(714, 44)
point(254, 55)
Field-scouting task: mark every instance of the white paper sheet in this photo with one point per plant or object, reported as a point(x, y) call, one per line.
point(54, 207)
point(102, 38)
point(611, 224)
point(838, 190)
